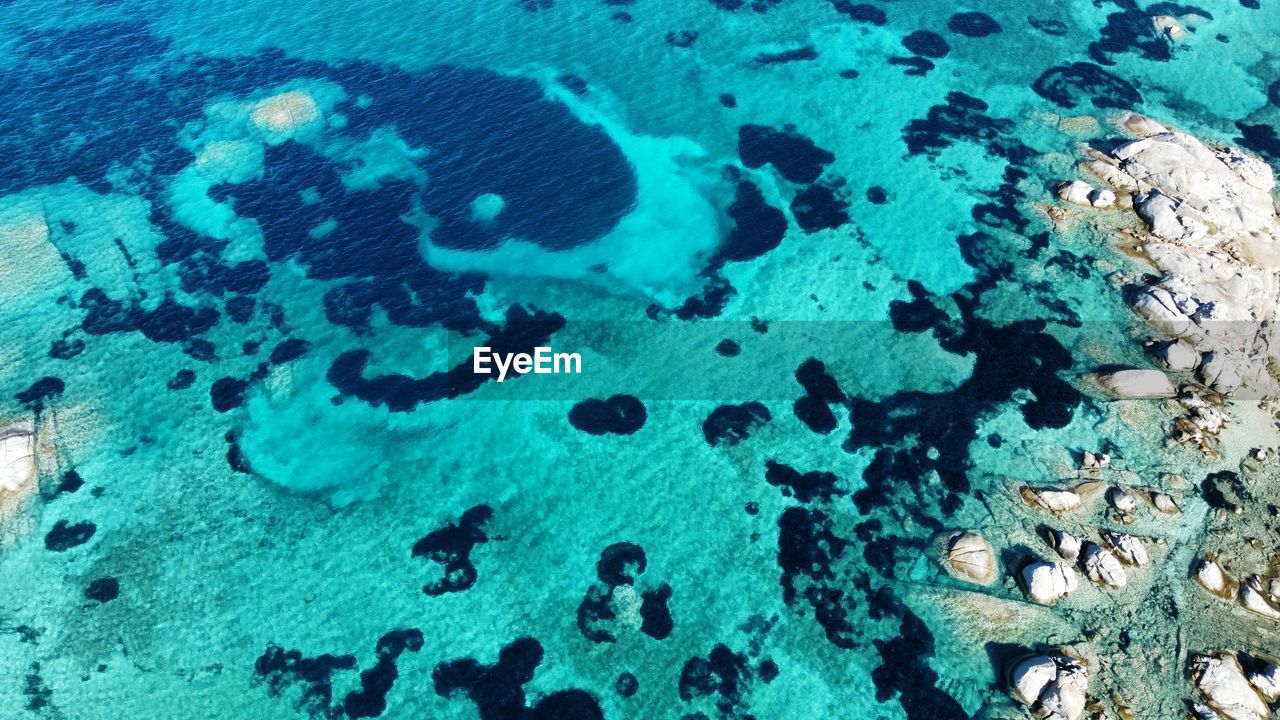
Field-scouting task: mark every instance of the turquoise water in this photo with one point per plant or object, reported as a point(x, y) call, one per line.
point(252, 305)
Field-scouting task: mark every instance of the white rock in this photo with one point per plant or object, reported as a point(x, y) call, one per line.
point(1088, 460)
point(1102, 198)
point(1211, 577)
point(1254, 599)
point(1178, 356)
point(1222, 683)
point(1102, 567)
point(969, 557)
point(1138, 384)
point(1128, 548)
point(17, 458)
point(1221, 373)
point(1161, 310)
point(1053, 500)
point(1077, 192)
point(1104, 461)
point(1131, 148)
point(1122, 500)
point(1267, 682)
point(1053, 686)
point(1065, 544)
point(1165, 216)
point(1047, 582)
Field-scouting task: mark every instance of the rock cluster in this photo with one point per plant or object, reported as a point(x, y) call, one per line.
point(1226, 688)
point(1053, 686)
point(1215, 241)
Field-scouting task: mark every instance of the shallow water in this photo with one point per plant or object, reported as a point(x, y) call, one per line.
point(254, 332)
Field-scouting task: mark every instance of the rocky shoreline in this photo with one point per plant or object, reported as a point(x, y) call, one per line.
point(1201, 221)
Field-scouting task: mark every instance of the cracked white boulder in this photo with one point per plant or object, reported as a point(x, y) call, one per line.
point(1127, 548)
point(1211, 577)
point(1267, 682)
point(1052, 499)
point(1047, 582)
point(969, 557)
point(1053, 686)
point(1102, 566)
point(1222, 682)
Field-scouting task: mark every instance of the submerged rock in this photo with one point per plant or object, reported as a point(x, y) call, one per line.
point(1051, 499)
point(1122, 500)
point(1164, 503)
point(284, 114)
point(969, 557)
point(1054, 686)
point(1047, 582)
point(1138, 384)
point(1224, 686)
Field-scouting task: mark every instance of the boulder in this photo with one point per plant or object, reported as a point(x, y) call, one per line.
point(1127, 548)
point(1254, 599)
point(1221, 373)
point(1122, 500)
point(1142, 126)
point(1047, 582)
point(1157, 305)
point(1102, 567)
point(1177, 356)
point(1168, 219)
point(1064, 543)
point(1138, 384)
point(17, 458)
point(969, 557)
point(1222, 683)
point(1211, 577)
point(1102, 198)
point(1054, 686)
point(1267, 682)
point(1077, 192)
point(1052, 499)
point(1165, 503)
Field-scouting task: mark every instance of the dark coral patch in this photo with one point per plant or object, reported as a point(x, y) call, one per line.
point(808, 551)
point(877, 195)
point(758, 227)
point(41, 390)
point(797, 54)
point(1069, 85)
point(65, 536)
point(962, 117)
point(280, 669)
point(821, 391)
point(723, 675)
point(181, 380)
point(919, 314)
point(728, 348)
point(819, 207)
point(1260, 138)
point(905, 671)
point(926, 43)
point(729, 425)
point(104, 589)
point(794, 156)
point(522, 332)
point(497, 690)
point(620, 563)
point(227, 393)
point(371, 699)
point(860, 12)
point(616, 415)
point(450, 547)
point(682, 38)
point(626, 685)
point(973, 24)
point(290, 349)
point(916, 65)
point(805, 487)
point(655, 616)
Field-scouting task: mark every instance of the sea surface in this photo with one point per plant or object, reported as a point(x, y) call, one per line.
point(799, 245)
